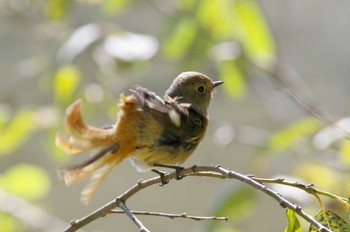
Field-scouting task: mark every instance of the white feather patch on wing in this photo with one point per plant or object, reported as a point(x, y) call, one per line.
point(139, 165)
point(175, 118)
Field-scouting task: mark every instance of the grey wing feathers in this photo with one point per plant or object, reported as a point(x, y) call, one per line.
point(178, 118)
point(149, 100)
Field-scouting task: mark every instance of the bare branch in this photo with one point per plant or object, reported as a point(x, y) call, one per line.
point(173, 215)
point(309, 188)
point(131, 215)
point(207, 171)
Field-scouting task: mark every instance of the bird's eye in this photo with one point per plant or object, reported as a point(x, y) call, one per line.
point(201, 89)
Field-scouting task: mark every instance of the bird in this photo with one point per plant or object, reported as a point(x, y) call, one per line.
point(150, 130)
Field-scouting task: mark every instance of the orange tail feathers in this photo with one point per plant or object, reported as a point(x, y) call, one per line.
point(76, 173)
point(75, 126)
point(81, 137)
point(98, 167)
point(115, 144)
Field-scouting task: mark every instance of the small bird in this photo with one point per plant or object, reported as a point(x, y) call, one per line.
point(149, 129)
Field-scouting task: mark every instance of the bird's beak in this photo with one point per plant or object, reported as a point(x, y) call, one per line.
point(217, 83)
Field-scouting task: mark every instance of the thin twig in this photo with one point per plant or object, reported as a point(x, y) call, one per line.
point(309, 188)
point(104, 210)
point(131, 215)
point(31, 215)
point(208, 171)
point(287, 76)
point(173, 215)
point(275, 195)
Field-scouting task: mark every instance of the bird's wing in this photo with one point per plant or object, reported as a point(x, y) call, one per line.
point(163, 111)
point(179, 119)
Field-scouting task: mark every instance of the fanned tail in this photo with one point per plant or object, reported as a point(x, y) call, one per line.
point(114, 143)
point(76, 173)
point(98, 167)
point(81, 137)
point(75, 125)
point(96, 180)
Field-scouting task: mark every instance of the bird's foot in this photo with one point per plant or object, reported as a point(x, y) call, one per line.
point(161, 174)
point(178, 170)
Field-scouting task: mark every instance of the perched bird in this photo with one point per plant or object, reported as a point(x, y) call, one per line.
point(149, 129)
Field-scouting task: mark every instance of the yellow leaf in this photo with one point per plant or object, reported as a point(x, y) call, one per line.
point(287, 137)
point(27, 181)
point(17, 131)
point(321, 176)
point(66, 81)
point(215, 15)
point(8, 223)
point(180, 38)
point(56, 9)
point(345, 151)
point(231, 74)
point(257, 39)
point(113, 6)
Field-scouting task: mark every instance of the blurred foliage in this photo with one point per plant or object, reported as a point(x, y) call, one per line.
point(66, 80)
point(57, 9)
point(287, 137)
point(26, 180)
point(233, 77)
point(227, 36)
point(345, 151)
point(16, 131)
point(237, 205)
point(318, 174)
point(8, 223)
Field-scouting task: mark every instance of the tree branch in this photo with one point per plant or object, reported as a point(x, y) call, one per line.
point(287, 77)
point(131, 215)
point(173, 215)
point(309, 188)
point(207, 171)
point(38, 219)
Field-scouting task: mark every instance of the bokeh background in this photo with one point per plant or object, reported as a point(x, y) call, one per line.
point(282, 112)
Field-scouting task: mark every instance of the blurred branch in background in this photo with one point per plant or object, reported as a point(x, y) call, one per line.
point(31, 215)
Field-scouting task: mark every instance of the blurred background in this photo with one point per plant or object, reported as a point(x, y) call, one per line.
point(282, 112)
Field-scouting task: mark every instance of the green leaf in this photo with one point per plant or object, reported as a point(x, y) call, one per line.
point(66, 81)
point(287, 137)
point(8, 223)
point(27, 181)
point(186, 4)
point(231, 74)
point(113, 6)
point(237, 205)
point(255, 35)
point(56, 9)
point(180, 39)
point(331, 221)
point(17, 131)
point(293, 222)
point(345, 151)
point(215, 16)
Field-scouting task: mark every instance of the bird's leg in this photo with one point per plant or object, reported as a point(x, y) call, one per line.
point(164, 181)
point(178, 169)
